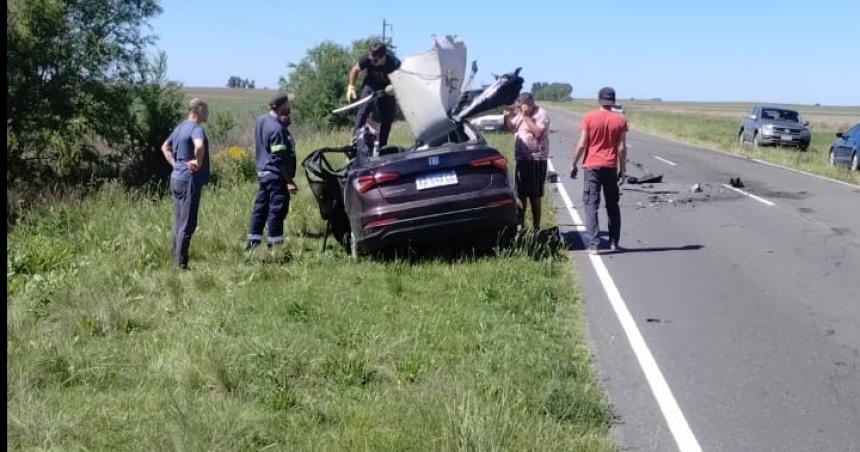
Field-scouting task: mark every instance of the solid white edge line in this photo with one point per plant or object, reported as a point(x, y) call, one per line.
point(757, 198)
point(794, 170)
point(578, 224)
point(668, 162)
point(675, 419)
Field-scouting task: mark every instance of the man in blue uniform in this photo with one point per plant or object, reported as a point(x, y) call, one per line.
point(275, 156)
point(187, 152)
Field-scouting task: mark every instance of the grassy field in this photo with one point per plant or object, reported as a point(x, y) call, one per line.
point(241, 102)
point(108, 348)
point(232, 114)
point(715, 125)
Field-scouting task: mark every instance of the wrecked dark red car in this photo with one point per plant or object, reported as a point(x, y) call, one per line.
point(450, 185)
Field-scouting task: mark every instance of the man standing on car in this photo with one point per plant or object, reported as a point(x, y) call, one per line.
point(275, 157)
point(377, 65)
point(603, 143)
point(531, 148)
point(187, 152)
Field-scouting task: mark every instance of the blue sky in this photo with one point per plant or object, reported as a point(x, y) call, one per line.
point(786, 52)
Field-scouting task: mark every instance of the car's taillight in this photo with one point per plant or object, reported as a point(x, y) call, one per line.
point(368, 181)
point(380, 222)
point(499, 161)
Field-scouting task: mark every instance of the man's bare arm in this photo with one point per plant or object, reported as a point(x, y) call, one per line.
point(580, 147)
point(353, 73)
point(622, 154)
point(507, 116)
point(168, 152)
point(199, 155)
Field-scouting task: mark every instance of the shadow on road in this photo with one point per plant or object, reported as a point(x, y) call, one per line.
point(654, 249)
point(574, 242)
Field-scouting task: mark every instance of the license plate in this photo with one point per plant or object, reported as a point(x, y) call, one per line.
point(439, 179)
point(786, 138)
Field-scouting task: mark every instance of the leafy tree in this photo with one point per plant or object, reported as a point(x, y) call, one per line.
point(81, 89)
point(555, 91)
point(317, 83)
point(156, 106)
point(221, 123)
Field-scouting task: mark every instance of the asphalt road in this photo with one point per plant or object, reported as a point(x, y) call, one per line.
point(750, 307)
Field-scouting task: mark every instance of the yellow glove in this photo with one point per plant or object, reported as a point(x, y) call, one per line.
point(350, 93)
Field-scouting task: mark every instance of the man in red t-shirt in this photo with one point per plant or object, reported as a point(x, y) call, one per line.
point(603, 143)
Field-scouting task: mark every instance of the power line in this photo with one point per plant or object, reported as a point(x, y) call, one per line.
point(194, 8)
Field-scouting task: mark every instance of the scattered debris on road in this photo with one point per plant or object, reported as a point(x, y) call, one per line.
point(736, 182)
point(696, 188)
point(647, 178)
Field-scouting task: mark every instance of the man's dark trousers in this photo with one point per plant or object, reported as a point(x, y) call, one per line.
point(270, 208)
point(607, 179)
point(385, 107)
point(186, 202)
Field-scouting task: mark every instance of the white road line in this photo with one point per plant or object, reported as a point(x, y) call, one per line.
point(847, 184)
point(675, 419)
point(731, 154)
point(668, 162)
point(757, 198)
point(579, 225)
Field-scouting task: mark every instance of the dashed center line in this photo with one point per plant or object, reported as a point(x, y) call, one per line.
point(757, 198)
point(668, 162)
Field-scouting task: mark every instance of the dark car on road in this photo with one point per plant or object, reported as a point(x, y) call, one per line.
point(845, 149)
point(451, 184)
point(765, 125)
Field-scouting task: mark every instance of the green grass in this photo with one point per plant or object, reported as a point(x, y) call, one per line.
point(240, 102)
point(109, 348)
point(719, 131)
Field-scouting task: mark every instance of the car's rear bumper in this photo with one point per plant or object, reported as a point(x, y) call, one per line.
point(489, 212)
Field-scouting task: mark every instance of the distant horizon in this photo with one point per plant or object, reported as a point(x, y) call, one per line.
point(585, 99)
point(678, 51)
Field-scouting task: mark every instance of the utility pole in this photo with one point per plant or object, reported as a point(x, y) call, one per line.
point(386, 26)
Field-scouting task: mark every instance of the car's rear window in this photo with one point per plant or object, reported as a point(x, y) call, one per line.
point(779, 115)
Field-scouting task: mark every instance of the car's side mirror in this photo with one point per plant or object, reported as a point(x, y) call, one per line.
point(806, 123)
point(839, 135)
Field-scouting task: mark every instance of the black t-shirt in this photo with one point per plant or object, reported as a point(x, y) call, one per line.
point(376, 77)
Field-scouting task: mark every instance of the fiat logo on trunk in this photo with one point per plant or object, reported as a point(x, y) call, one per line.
point(433, 161)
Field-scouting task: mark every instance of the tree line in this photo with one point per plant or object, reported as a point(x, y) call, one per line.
point(554, 92)
point(238, 82)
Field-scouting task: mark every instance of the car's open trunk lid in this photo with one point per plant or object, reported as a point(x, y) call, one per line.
point(427, 86)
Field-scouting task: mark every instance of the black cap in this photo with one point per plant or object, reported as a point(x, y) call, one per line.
point(606, 96)
point(278, 100)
